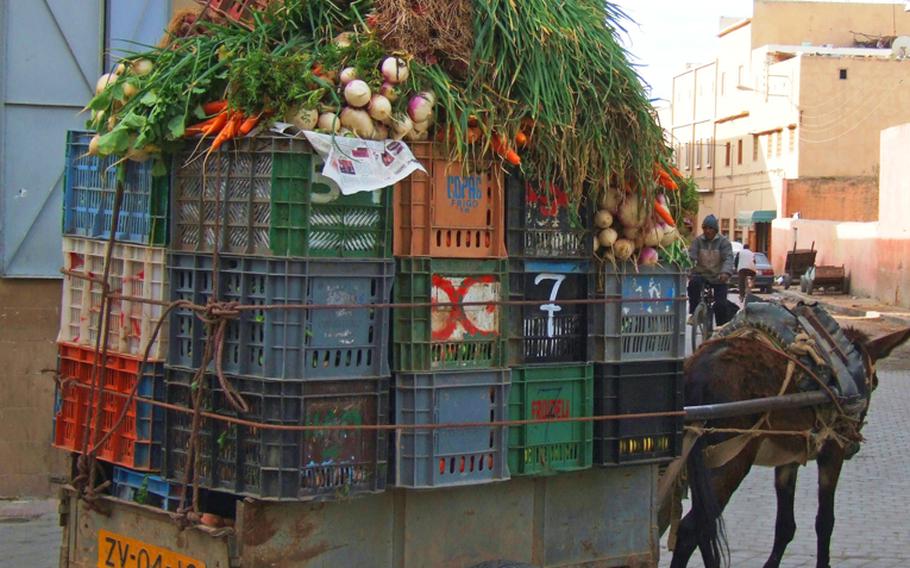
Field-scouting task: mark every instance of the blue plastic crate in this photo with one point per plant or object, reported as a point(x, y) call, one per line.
point(454, 456)
point(146, 489)
point(647, 319)
point(88, 196)
point(287, 343)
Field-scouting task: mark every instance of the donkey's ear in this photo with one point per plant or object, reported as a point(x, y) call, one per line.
point(881, 347)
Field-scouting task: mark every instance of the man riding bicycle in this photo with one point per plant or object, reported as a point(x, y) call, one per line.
point(713, 258)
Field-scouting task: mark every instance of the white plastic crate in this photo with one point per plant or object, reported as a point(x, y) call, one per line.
point(136, 271)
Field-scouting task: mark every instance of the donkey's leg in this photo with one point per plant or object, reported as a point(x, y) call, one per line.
point(785, 527)
point(830, 459)
point(724, 480)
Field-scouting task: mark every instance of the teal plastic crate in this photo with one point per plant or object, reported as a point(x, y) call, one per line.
point(548, 392)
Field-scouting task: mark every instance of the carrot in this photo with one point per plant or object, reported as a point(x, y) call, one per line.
point(214, 107)
point(231, 127)
point(675, 171)
point(248, 124)
point(199, 127)
point(521, 139)
point(473, 135)
point(217, 124)
point(499, 146)
point(664, 213)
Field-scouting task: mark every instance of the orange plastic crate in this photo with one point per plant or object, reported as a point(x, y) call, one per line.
point(451, 211)
point(136, 443)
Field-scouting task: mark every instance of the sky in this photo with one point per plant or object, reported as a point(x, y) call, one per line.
point(670, 33)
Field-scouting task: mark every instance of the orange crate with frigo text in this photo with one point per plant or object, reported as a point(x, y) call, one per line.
point(454, 210)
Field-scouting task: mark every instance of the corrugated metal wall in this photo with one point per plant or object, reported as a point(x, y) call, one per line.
point(51, 54)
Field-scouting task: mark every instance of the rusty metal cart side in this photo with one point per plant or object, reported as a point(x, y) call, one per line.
point(797, 263)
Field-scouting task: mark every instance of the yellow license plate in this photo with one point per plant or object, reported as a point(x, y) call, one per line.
point(118, 551)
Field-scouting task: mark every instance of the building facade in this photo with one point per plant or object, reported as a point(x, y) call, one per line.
point(801, 90)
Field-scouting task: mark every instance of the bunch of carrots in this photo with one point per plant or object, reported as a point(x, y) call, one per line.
point(498, 142)
point(224, 124)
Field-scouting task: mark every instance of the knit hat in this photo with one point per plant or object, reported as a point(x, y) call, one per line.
point(710, 222)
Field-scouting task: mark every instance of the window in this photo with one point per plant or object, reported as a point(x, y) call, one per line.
point(768, 145)
point(698, 146)
point(739, 151)
point(687, 156)
point(843, 74)
point(737, 233)
point(778, 135)
point(792, 142)
point(755, 145)
point(727, 154)
point(725, 227)
point(723, 81)
point(709, 153)
point(739, 76)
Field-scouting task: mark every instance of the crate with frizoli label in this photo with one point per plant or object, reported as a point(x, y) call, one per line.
point(549, 321)
point(449, 314)
point(551, 395)
point(453, 210)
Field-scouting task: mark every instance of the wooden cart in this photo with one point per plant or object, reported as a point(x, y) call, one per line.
point(797, 263)
point(825, 278)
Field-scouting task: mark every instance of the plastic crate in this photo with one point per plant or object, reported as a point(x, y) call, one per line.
point(136, 271)
point(449, 337)
point(633, 330)
point(454, 456)
point(90, 183)
point(540, 223)
point(273, 464)
point(548, 392)
point(451, 211)
point(287, 343)
point(264, 196)
point(637, 388)
point(137, 441)
point(146, 489)
point(550, 332)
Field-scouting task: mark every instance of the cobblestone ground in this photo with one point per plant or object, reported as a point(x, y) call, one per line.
point(29, 534)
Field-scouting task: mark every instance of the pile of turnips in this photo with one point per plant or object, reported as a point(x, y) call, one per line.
point(626, 229)
point(369, 113)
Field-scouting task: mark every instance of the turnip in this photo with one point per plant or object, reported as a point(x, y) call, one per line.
point(129, 90)
point(120, 69)
point(422, 126)
point(603, 219)
point(357, 93)
point(142, 67)
point(380, 108)
point(671, 234)
point(358, 121)
point(630, 213)
point(348, 74)
point(610, 199)
point(420, 108)
point(380, 131)
point(623, 249)
point(395, 70)
point(428, 96)
point(631, 233)
point(401, 126)
point(651, 235)
point(329, 121)
point(416, 136)
point(647, 257)
point(343, 40)
point(302, 118)
point(389, 91)
point(596, 240)
point(103, 82)
point(607, 237)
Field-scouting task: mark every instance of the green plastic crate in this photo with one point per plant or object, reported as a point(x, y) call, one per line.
point(263, 196)
point(436, 339)
point(551, 391)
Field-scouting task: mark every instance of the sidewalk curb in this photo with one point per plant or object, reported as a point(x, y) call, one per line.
point(842, 310)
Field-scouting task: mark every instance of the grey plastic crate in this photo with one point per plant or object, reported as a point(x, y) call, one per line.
point(639, 327)
point(279, 464)
point(455, 456)
point(286, 343)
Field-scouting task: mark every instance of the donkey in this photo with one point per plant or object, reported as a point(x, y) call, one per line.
point(741, 368)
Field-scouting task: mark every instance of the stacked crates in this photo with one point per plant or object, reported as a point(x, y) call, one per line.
point(449, 344)
point(92, 383)
point(284, 238)
point(549, 339)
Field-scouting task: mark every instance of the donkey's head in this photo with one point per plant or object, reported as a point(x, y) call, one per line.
point(875, 350)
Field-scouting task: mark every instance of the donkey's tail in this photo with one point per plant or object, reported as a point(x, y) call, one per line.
point(712, 539)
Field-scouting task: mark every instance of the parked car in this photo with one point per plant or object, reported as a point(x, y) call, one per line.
point(764, 272)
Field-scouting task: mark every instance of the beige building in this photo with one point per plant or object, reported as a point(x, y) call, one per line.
point(800, 90)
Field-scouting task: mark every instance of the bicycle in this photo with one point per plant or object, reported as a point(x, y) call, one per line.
point(703, 318)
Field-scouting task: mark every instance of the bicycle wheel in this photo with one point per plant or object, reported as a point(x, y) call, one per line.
point(697, 331)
